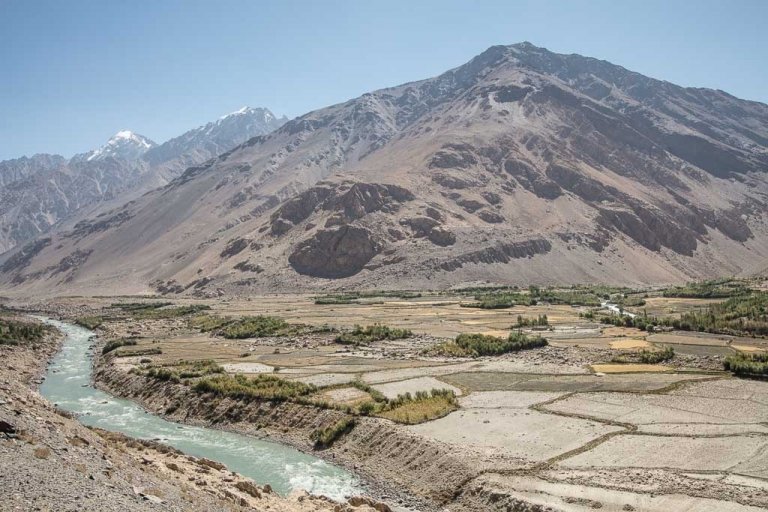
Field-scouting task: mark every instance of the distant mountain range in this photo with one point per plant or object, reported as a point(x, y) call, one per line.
point(522, 166)
point(39, 191)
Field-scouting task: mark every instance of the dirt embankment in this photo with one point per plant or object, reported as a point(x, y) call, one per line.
point(381, 451)
point(50, 461)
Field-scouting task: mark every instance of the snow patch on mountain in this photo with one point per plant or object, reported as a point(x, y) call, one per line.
point(125, 145)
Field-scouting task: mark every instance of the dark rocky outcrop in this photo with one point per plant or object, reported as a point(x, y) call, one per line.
point(576, 182)
point(453, 156)
point(235, 246)
point(350, 201)
point(72, 262)
point(21, 259)
point(490, 217)
point(532, 179)
point(500, 253)
point(335, 253)
point(441, 236)
point(247, 266)
point(421, 226)
point(469, 205)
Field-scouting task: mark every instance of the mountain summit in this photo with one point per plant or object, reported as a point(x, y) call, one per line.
point(521, 166)
point(124, 145)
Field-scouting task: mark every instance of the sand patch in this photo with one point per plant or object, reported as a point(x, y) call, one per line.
point(622, 332)
point(629, 344)
point(630, 368)
point(748, 348)
point(499, 334)
point(345, 395)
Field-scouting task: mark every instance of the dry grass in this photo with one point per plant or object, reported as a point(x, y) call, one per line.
point(419, 411)
point(629, 344)
point(42, 452)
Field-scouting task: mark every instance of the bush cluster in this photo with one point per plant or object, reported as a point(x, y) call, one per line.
point(419, 407)
point(13, 332)
point(267, 387)
point(208, 323)
point(185, 370)
point(370, 333)
point(656, 357)
point(715, 289)
point(161, 313)
point(539, 321)
point(500, 300)
point(325, 437)
point(254, 327)
point(140, 352)
point(121, 342)
point(89, 322)
point(353, 297)
point(477, 345)
point(747, 365)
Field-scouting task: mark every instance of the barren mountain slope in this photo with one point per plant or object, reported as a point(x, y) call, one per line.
point(521, 166)
point(40, 191)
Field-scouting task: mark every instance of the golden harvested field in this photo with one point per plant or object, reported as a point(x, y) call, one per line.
point(630, 368)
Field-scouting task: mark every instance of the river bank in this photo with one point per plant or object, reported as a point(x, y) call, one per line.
point(50, 461)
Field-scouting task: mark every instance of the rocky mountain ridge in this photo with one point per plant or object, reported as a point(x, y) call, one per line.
point(39, 191)
point(521, 166)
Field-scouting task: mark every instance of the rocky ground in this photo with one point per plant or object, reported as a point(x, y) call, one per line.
point(51, 462)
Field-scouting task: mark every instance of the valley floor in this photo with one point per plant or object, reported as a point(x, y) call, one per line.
point(570, 426)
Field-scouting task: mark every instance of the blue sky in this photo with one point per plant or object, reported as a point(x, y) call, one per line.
point(74, 72)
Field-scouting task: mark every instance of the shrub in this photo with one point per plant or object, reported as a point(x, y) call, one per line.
point(740, 315)
point(14, 332)
point(500, 300)
point(420, 407)
point(208, 323)
point(140, 352)
point(325, 437)
point(89, 322)
point(336, 299)
point(185, 370)
point(747, 365)
point(121, 342)
point(648, 357)
point(522, 321)
point(571, 297)
point(164, 374)
point(137, 306)
point(715, 289)
point(476, 345)
point(159, 313)
point(377, 395)
point(254, 327)
point(268, 387)
point(364, 335)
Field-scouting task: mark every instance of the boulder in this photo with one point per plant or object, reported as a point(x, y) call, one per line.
point(334, 253)
point(441, 236)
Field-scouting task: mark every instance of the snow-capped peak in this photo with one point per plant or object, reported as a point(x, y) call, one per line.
point(243, 111)
point(264, 113)
point(125, 145)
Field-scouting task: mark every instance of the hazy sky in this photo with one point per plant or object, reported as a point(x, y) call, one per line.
point(74, 72)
